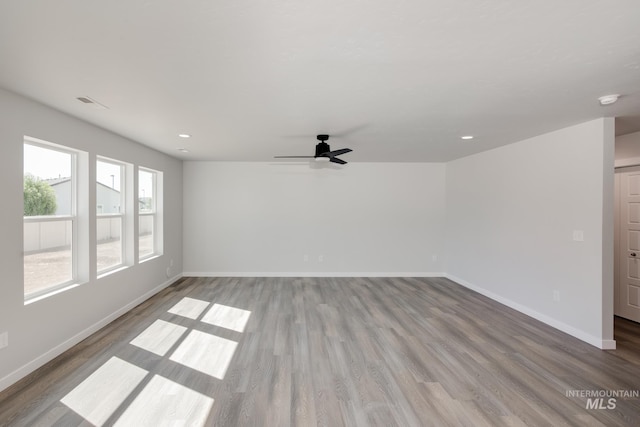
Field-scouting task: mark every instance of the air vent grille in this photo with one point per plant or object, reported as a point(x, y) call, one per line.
point(91, 102)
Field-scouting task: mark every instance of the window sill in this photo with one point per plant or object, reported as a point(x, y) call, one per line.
point(149, 258)
point(111, 271)
point(51, 293)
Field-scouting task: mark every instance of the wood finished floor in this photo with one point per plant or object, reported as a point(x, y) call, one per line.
point(328, 352)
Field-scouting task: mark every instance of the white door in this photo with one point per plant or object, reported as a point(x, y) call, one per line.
point(628, 289)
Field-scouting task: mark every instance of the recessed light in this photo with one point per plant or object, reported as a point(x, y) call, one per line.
point(466, 137)
point(184, 135)
point(183, 150)
point(608, 99)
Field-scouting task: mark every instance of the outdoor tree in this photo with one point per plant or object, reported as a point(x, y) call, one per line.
point(39, 197)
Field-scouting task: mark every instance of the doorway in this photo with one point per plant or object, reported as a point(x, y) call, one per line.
point(627, 243)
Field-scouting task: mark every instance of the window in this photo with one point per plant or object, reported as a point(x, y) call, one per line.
point(149, 205)
point(50, 217)
point(110, 210)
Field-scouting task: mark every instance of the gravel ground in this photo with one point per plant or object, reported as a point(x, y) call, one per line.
point(44, 269)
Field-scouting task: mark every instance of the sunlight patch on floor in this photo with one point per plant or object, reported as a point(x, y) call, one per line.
point(205, 353)
point(162, 402)
point(227, 317)
point(189, 307)
point(100, 395)
point(166, 403)
point(159, 337)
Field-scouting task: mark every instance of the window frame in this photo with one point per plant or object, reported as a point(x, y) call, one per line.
point(122, 215)
point(73, 217)
point(152, 213)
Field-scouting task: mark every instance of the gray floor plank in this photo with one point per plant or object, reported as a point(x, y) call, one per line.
point(330, 352)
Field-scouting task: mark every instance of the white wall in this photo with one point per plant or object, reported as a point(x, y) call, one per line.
point(511, 213)
point(628, 147)
point(41, 330)
point(363, 219)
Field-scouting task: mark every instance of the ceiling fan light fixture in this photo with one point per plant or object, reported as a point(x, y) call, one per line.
point(323, 152)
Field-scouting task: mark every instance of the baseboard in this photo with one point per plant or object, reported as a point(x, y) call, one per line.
point(28, 368)
point(568, 329)
point(307, 274)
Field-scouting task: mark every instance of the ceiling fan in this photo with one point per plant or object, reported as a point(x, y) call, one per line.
point(322, 151)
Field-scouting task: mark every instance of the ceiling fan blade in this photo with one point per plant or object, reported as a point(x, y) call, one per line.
point(337, 160)
point(293, 157)
point(337, 152)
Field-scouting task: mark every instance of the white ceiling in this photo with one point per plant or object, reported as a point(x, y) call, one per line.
point(401, 80)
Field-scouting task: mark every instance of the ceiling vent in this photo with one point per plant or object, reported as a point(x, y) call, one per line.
point(91, 102)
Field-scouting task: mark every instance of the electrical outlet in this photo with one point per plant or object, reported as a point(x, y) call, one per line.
point(578, 235)
point(434, 258)
point(306, 258)
point(4, 339)
point(556, 295)
point(320, 258)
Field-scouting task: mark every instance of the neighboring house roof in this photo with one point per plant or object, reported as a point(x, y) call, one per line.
point(56, 181)
point(109, 188)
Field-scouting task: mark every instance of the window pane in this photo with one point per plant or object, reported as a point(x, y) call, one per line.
point(109, 240)
point(49, 191)
point(145, 236)
point(108, 192)
point(47, 255)
point(146, 191)
point(48, 186)
point(109, 201)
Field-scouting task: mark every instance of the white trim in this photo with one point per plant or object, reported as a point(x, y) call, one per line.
point(29, 367)
point(625, 163)
point(50, 292)
point(568, 329)
point(49, 145)
point(111, 270)
point(307, 274)
point(109, 215)
point(48, 218)
point(149, 258)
